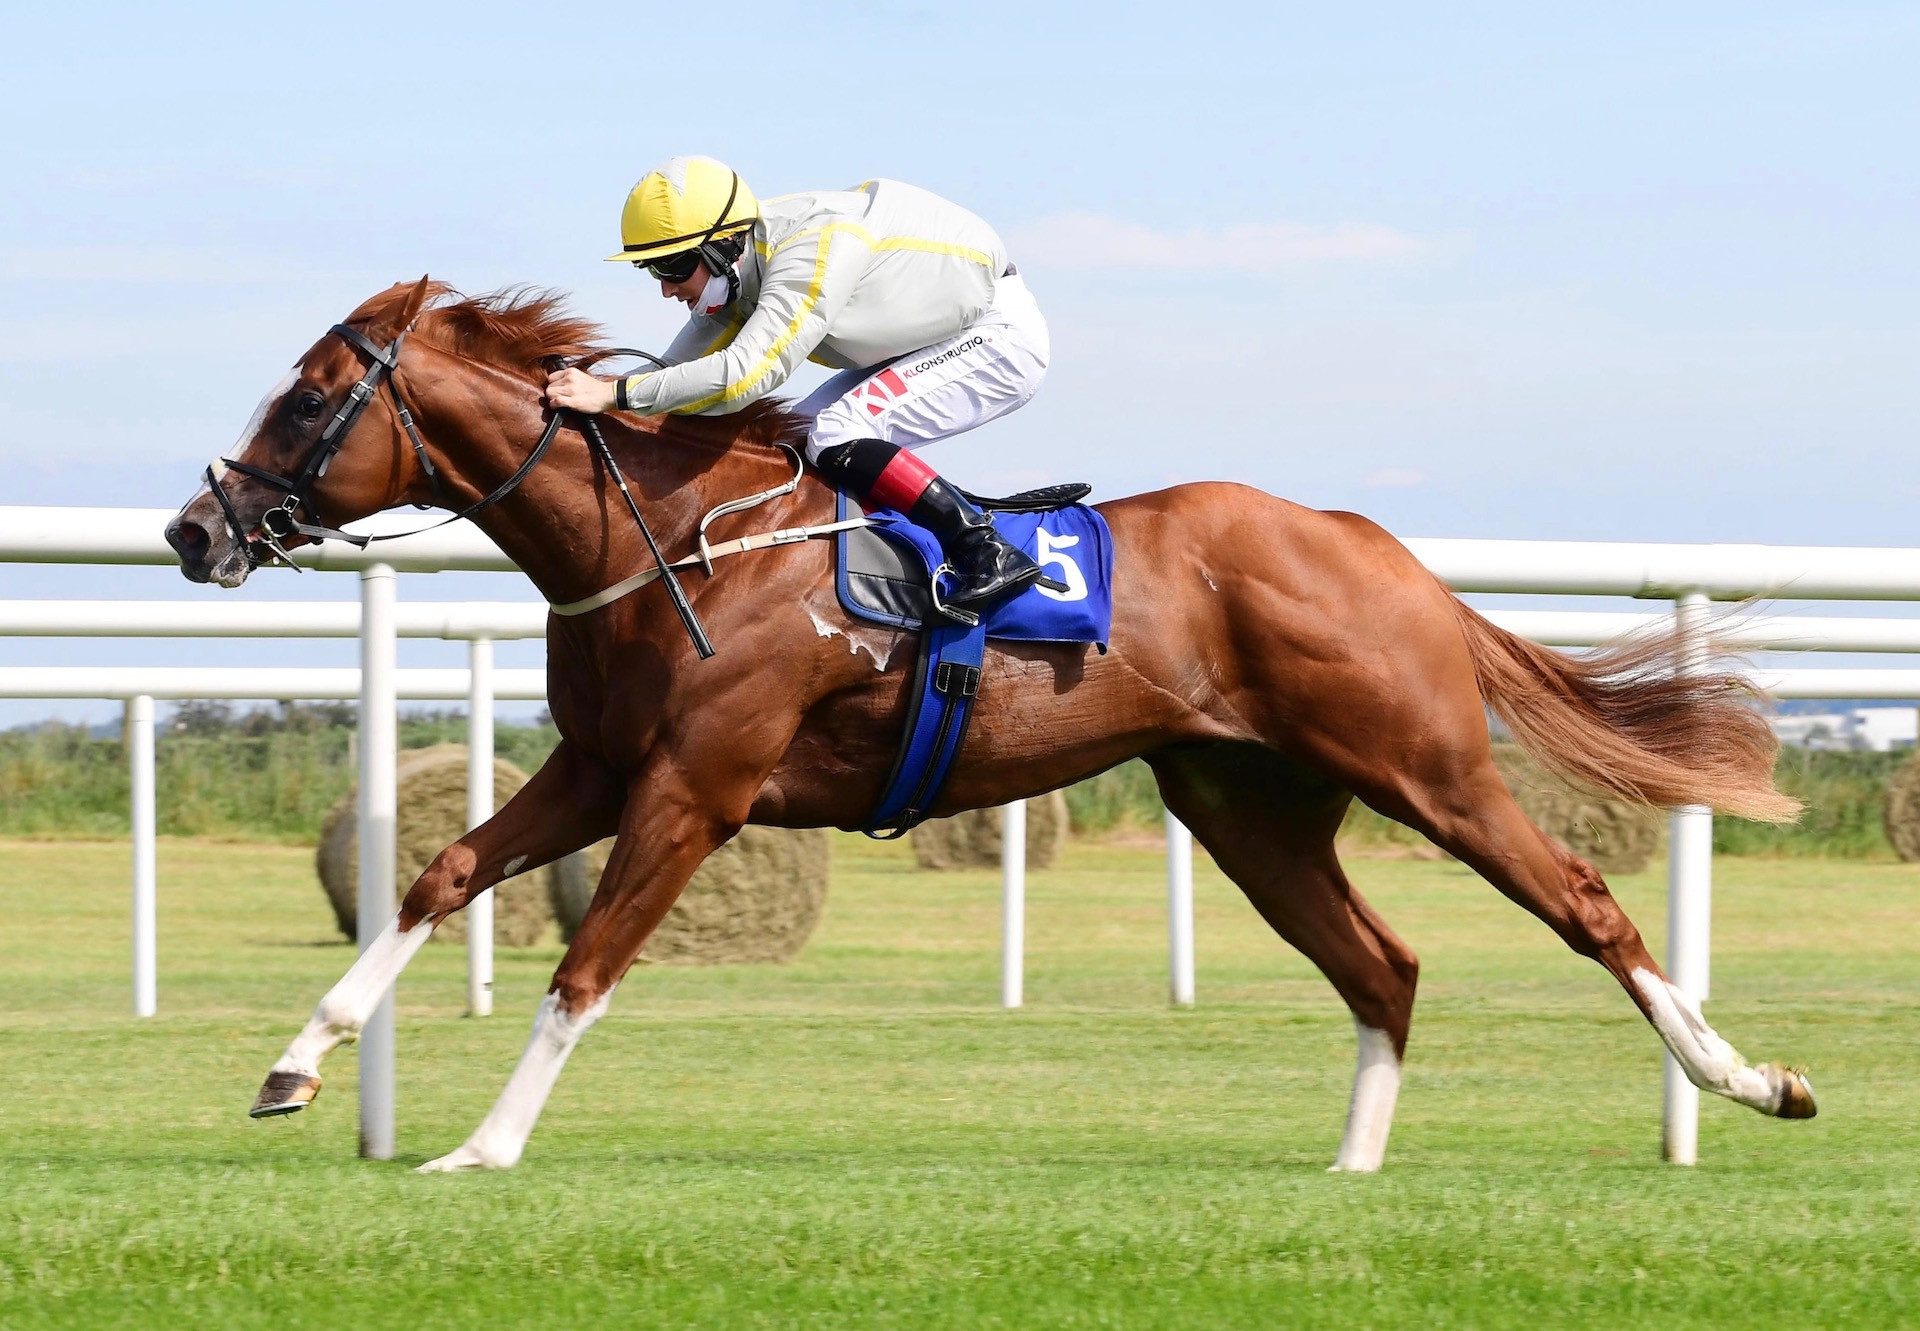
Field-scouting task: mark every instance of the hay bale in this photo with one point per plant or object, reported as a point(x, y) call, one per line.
point(432, 807)
point(757, 898)
point(1611, 834)
point(971, 840)
point(1900, 813)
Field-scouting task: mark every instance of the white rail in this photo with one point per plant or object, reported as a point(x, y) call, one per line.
point(1739, 631)
point(265, 619)
point(1667, 572)
point(482, 689)
point(271, 683)
point(134, 536)
point(37, 535)
point(378, 814)
point(1013, 904)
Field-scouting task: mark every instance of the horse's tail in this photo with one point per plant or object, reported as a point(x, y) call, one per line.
point(1622, 720)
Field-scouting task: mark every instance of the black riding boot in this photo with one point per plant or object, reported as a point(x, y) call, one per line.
point(983, 566)
point(986, 567)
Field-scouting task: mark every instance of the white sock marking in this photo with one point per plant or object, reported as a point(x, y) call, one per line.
point(1376, 1089)
point(501, 1137)
point(351, 1002)
point(1709, 1061)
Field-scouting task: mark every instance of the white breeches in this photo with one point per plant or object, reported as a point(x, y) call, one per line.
point(980, 373)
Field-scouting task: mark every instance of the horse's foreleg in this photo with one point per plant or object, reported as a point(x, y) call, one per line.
point(570, 802)
point(665, 832)
point(1271, 830)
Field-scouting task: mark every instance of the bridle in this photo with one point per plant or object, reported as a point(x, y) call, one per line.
point(282, 521)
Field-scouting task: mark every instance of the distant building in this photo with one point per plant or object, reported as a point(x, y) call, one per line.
point(1880, 729)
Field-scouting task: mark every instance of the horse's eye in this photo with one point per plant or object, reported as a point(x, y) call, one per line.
point(308, 406)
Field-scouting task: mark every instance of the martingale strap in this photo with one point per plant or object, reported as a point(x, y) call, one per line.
point(946, 682)
point(765, 540)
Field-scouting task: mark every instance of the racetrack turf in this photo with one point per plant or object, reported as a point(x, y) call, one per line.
point(863, 1139)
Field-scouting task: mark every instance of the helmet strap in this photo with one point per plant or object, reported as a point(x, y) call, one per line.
point(720, 257)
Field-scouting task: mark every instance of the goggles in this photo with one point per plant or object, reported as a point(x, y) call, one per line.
point(673, 267)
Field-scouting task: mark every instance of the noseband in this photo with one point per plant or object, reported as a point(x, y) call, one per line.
point(283, 521)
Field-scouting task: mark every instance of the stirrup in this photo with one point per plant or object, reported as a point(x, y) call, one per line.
point(952, 612)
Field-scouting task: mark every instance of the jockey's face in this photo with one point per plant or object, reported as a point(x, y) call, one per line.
point(689, 291)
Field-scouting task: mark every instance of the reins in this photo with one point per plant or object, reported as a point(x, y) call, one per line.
point(279, 522)
point(702, 646)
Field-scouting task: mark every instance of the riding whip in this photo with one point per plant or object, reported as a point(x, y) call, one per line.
point(680, 603)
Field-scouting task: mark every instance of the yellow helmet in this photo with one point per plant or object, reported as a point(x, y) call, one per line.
point(681, 205)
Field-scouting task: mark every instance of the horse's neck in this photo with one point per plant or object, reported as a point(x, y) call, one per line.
point(566, 525)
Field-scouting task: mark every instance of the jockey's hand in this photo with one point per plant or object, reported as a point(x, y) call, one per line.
point(577, 390)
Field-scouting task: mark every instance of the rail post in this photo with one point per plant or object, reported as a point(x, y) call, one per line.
point(1179, 911)
point(379, 750)
point(479, 809)
point(1013, 904)
point(146, 997)
point(1689, 908)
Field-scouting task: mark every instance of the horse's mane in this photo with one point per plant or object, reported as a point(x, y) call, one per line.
point(517, 328)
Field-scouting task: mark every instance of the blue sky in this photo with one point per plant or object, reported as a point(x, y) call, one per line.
point(1628, 271)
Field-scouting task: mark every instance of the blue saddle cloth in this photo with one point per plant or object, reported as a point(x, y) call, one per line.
point(881, 576)
point(882, 572)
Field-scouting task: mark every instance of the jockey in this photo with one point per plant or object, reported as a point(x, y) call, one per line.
point(910, 297)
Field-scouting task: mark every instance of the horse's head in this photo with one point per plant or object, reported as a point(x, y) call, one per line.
point(319, 450)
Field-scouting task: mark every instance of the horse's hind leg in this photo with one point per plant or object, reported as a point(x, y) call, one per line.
point(570, 802)
point(1459, 801)
point(1271, 828)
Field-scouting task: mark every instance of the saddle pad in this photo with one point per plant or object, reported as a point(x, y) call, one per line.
point(882, 575)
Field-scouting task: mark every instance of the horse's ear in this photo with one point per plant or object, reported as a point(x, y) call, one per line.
point(416, 300)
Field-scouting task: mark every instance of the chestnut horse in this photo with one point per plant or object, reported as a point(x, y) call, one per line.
point(1270, 662)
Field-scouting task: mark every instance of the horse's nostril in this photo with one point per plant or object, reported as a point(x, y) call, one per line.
point(189, 539)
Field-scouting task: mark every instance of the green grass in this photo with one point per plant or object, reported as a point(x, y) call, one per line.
point(862, 1139)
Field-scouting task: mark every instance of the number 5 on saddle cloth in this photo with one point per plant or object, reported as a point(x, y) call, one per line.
point(882, 574)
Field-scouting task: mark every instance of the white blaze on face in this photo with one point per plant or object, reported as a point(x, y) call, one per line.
point(259, 416)
point(219, 465)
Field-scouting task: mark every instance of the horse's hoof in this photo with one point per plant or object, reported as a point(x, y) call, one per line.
point(1796, 1092)
point(465, 1158)
point(284, 1093)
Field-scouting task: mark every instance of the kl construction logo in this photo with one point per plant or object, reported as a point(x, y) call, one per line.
point(880, 392)
point(889, 386)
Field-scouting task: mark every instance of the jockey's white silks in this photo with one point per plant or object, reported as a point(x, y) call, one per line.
point(992, 367)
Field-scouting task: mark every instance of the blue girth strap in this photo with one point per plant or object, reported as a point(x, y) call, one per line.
point(945, 684)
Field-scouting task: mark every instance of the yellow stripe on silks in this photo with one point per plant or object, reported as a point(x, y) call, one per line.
point(935, 247)
point(919, 244)
point(824, 230)
point(745, 384)
point(727, 334)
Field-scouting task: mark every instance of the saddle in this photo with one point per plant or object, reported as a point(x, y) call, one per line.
point(883, 575)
